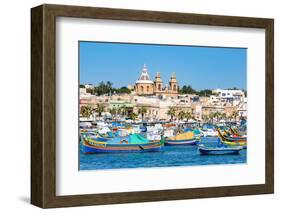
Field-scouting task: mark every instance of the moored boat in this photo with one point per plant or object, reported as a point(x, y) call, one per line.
point(235, 133)
point(232, 141)
point(186, 138)
point(131, 143)
point(231, 138)
point(219, 150)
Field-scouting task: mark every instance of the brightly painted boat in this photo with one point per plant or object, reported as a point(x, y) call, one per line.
point(197, 135)
point(219, 150)
point(231, 138)
point(232, 141)
point(131, 143)
point(186, 138)
point(235, 132)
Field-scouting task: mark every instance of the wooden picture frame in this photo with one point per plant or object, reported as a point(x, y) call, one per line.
point(43, 105)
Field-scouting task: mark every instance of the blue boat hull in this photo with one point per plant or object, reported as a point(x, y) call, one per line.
point(207, 151)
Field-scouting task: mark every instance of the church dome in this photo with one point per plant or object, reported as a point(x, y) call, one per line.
point(144, 78)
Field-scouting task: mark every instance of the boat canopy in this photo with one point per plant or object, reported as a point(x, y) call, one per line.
point(131, 139)
point(196, 131)
point(136, 139)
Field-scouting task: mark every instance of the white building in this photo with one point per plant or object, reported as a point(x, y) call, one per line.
point(89, 86)
point(230, 96)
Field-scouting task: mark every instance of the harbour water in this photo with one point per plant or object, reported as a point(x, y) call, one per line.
point(183, 155)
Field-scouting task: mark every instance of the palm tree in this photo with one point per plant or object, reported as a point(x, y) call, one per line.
point(188, 115)
point(124, 110)
point(211, 117)
point(119, 110)
point(181, 115)
point(133, 116)
point(217, 115)
point(171, 112)
point(142, 111)
point(86, 111)
point(113, 111)
point(234, 115)
point(100, 109)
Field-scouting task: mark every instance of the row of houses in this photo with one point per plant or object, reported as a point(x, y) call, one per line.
point(224, 101)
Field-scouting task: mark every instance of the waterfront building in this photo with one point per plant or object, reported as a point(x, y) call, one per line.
point(207, 110)
point(113, 104)
point(233, 96)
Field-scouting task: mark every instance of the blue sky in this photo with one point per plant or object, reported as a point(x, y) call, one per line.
point(200, 67)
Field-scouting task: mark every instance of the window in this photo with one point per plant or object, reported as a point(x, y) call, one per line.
point(141, 88)
point(147, 88)
point(159, 87)
point(175, 87)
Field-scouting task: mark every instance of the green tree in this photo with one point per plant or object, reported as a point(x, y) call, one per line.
point(223, 116)
point(217, 115)
point(124, 110)
point(187, 90)
point(113, 111)
point(90, 90)
point(100, 109)
point(81, 86)
point(142, 111)
point(86, 111)
point(104, 88)
point(123, 90)
point(234, 115)
point(133, 116)
point(181, 115)
point(188, 115)
point(211, 117)
point(205, 93)
point(119, 110)
point(172, 112)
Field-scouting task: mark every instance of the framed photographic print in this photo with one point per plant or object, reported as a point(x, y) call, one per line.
point(137, 106)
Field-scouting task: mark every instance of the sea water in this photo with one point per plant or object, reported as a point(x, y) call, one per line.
point(181, 155)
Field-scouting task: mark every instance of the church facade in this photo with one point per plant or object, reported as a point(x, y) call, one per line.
point(145, 86)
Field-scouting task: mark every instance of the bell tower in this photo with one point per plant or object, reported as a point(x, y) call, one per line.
point(158, 84)
point(173, 84)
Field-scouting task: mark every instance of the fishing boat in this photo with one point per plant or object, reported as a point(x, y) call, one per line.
point(219, 150)
point(235, 133)
point(231, 138)
point(197, 133)
point(233, 141)
point(186, 138)
point(130, 143)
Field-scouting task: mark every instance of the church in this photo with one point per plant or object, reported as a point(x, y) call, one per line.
point(145, 86)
